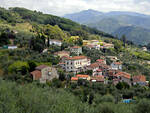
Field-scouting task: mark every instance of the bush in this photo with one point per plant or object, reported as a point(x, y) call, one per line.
point(107, 98)
point(142, 107)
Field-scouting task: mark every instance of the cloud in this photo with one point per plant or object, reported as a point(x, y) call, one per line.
point(61, 7)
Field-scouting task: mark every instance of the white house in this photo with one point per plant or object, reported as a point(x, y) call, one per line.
point(12, 47)
point(55, 42)
point(76, 49)
point(77, 64)
point(94, 67)
point(116, 66)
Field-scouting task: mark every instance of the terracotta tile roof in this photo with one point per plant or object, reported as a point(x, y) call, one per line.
point(41, 67)
point(139, 78)
point(75, 47)
point(117, 63)
point(64, 57)
point(82, 76)
point(112, 72)
point(37, 74)
point(100, 60)
point(62, 52)
point(94, 65)
point(123, 74)
point(104, 66)
point(98, 78)
point(77, 58)
point(74, 78)
point(99, 70)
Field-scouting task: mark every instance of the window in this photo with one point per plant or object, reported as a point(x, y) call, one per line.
point(49, 73)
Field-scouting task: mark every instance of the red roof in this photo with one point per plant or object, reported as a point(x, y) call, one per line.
point(139, 78)
point(82, 76)
point(99, 70)
point(100, 60)
point(112, 72)
point(123, 74)
point(94, 65)
point(74, 78)
point(37, 74)
point(62, 52)
point(98, 78)
point(117, 63)
point(77, 58)
point(64, 57)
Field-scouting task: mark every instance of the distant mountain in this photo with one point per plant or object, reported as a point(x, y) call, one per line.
point(138, 35)
point(116, 22)
point(84, 16)
point(112, 13)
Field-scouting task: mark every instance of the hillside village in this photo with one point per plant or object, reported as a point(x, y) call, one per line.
point(82, 68)
point(67, 67)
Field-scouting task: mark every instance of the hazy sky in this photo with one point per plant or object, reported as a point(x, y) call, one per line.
point(61, 7)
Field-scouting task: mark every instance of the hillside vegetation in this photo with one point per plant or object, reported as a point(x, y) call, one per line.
point(31, 32)
point(16, 18)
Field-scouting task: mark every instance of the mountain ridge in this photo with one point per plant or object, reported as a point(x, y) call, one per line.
point(111, 22)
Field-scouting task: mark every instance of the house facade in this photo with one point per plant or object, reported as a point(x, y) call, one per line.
point(116, 66)
point(62, 53)
point(94, 67)
point(77, 64)
point(107, 45)
point(140, 79)
point(44, 73)
point(99, 78)
point(102, 61)
point(76, 49)
point(122, 77)
point(55, 42)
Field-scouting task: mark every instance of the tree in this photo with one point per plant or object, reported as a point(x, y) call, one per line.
point(53, 32)
point(32, 65)
point(123, 38)
point(143, 106)
point(122, 85)
point(4, 39)
point(37, 43)
point(91, 98)
point(118, 46)
point(62, 76)
point(19, 66)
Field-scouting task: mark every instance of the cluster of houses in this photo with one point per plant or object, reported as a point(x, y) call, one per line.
point(96, 44)
point(101, 72)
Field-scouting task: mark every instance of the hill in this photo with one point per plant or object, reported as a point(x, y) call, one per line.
point(112, 21)
point(85, 16)
point(16, 16)
point(135, 34)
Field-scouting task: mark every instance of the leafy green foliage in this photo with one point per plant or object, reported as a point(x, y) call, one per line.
point(19, 66)
point(4, 39)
